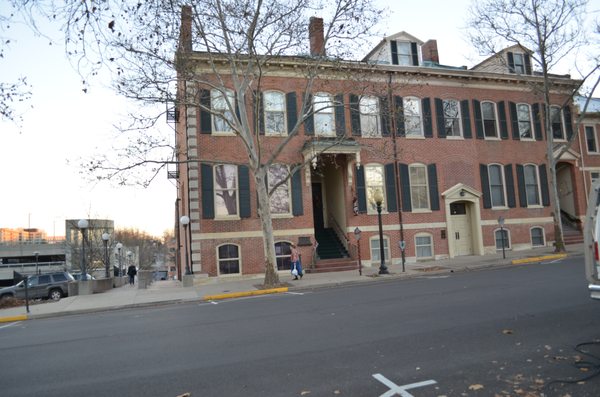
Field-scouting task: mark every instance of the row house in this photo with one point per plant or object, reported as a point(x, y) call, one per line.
point(452, 150)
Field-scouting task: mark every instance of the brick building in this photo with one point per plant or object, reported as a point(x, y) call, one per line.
point(450, 149)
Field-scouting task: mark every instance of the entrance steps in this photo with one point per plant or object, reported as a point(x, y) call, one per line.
point(333, 265)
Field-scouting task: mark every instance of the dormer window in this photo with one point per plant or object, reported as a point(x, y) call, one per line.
point(519, 63)
point(404, 53)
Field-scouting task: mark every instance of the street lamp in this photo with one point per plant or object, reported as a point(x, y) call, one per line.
point(501, 223)
point(378, 197)
point(37, 271)
point(357, 237)
point(185, 221)
point(119, 247)
point(83, 224)
point(105, 238)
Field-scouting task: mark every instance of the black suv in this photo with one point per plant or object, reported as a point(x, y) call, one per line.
point(52, 286)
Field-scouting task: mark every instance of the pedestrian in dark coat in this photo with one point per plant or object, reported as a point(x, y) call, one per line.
point(131, 272)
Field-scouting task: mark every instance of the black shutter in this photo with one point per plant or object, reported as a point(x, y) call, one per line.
point(439, 116)
point(466, 118)
point(544, 185)
point(355, 114)
point(434, 197)
point(521, 185)
point(511, 62)
point(502, 117)
point(261, 112)
point(510, 186)
point(527, 64)
point(394, 48)
point(297, 207)
point(244, 189)
point(205, 116)
point(426, 108)
point(399, 115)
point(390, 188)
point(384, 111)
point(208, 207)
point(340, 117)
point(309, 123)
point(292, 111)
point(405, 187)
point(361, 192)
point(537, 123)
point(478, 119)
point(568, 121)
point(485, 186)
point(514, 120)
point(415, 53)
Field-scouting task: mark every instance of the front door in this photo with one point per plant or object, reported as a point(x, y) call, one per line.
point(461, 224)
point(317, 199)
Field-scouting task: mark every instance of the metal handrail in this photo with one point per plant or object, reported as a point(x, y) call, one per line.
point(337, 228)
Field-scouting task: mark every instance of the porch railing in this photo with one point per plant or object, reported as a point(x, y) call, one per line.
point(338, 230)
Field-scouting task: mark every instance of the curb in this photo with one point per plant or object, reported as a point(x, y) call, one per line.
point(538, 258)
point(11, 319)
point(244, 294)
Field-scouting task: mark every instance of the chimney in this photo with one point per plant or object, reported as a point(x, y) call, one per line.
point(185, 32)
point(430, 52)
point(315, 34)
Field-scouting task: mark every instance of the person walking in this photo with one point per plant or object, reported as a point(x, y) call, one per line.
point(131, 272)
point(296, 264)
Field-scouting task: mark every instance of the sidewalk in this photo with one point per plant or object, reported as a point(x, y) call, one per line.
point(164, 292)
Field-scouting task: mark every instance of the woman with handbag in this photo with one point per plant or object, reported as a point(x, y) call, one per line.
point(296, 265)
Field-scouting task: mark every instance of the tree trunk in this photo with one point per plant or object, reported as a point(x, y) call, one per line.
point(264, 212)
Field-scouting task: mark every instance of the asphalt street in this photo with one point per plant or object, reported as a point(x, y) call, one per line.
point(510, 330)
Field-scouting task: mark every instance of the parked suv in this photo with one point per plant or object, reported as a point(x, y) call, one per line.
point(52, 286)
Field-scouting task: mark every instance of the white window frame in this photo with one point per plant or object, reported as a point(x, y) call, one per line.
point(375, 247)
point(537, 185)
point(284, 186)
point(592, 178)
point(430, 245)
point(529, 121)
point(219, 260)
point(455, 120)
point(370, 189)
point(282, 256)
point(483, 120)
point(223, 104)
point(543, 236)
point(502, 180)
point(414, 117)
point(369, 115)
point(270, 108)
point(217, 188)
point(555, 108)
point(404, 58)
point(595, 137)
point(519, 67)
point(323, 109)
point(509, 244)
point(414, 186)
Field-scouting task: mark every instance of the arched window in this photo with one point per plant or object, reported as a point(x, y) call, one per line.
point(226, 190)
point(283, 251)
point(419, 189)
point(496, 180)
point(369, 116)
point(412, 116)
point(524, 121)
point(229, 259)
point(502, 236)
point(452, 120)
point(537, 237)
point(280, 198)
point(374, 178)
point(423, 246)
point(489, 119)
point(532, 184)
point(222, 104)
point(323, 114)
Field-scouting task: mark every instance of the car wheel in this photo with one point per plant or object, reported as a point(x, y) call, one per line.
point(55, 294)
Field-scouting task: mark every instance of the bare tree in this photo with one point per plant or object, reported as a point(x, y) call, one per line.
point(553, 30)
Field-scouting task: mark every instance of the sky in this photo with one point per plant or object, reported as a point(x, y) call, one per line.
point(40, 180)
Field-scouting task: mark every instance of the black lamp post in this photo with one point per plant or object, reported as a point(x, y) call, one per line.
point(501, 223)
point(119, 247)
point(185, 221)
point(378, 197)
point(83, 225)
point(357, 237)
point(105, 238)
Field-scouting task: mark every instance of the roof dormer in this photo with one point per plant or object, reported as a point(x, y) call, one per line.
point(400, 49)
point(512, 60)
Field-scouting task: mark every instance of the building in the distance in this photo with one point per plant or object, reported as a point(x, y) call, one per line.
point(453, 151)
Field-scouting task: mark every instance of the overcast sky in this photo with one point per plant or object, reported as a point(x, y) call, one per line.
point(41, 185)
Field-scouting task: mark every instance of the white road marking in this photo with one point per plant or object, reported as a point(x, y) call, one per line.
point(9, 324)
point(294, 293)
point(554, 261)
point(400, 390)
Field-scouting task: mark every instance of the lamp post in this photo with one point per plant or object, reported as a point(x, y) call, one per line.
point(501, 223)
point(357, 237)
point(83, 225)
point(185, 221)
point(378, 197)
point(105, 238)
point(119, 247)
point(37, 271)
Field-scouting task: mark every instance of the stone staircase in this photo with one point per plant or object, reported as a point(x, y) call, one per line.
point(332, 256)
point(572, 236)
